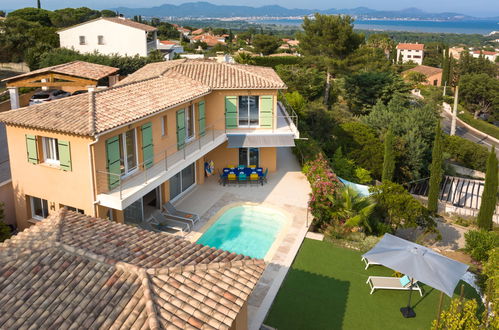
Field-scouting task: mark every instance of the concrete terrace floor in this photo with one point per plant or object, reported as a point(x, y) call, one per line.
point(287, 189)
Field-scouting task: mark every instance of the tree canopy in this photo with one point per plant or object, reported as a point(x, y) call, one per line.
point(265, 44)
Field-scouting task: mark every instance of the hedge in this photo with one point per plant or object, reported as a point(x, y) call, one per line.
point(273, 61)
point(479, 124)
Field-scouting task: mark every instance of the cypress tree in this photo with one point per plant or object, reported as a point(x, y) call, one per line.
point(389, 158)
point(38, 4)
point(435, 170)
point(489, 195)
point(445, 66)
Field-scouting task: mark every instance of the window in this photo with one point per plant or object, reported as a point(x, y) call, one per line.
point(163, 126)
point(83, 40)
point(39, 208)
point(182, 181)
point(249, 156)
point(50, 151)
point(408, 56)
point(249, 111)
point(74, 209)
point(128, 151)
point(417, 56)
point(189, 122)
point(100, 40)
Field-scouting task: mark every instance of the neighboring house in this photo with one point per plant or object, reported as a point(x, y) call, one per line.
point(455, 52)
point(433, 75)
point(410, 52)
point(110, 35)
point(196, 32)
point(169, 48)
point(80, 272)
point(185, 32)
point(491, 56)
point(209, 39)
point(121, 152)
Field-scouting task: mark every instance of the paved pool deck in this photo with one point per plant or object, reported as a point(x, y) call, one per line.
point(287, 190)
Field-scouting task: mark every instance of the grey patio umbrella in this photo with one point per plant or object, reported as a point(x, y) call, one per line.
point(419, 263)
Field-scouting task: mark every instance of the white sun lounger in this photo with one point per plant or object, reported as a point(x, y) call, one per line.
point(161, 219)
point(370, 263)
point(390, 283)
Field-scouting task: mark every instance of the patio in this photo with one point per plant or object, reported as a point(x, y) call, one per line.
point(326, 289)
point(287, 189)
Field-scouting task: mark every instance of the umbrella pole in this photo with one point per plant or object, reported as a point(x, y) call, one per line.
point(408, 312)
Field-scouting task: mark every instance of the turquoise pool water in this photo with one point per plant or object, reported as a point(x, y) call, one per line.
point(249, 230)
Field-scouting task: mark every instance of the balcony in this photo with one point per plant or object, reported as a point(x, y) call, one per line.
point(127, 189)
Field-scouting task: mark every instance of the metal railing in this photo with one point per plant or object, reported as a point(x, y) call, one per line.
point(290, 111)
point(160, 163)
point(172, 155)
point(280, 123)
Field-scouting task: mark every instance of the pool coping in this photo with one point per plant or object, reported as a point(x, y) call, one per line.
point(195, 236)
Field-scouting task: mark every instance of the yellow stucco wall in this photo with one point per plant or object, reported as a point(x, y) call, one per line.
point(75, 188)
point(225, 157)
point(72, 188)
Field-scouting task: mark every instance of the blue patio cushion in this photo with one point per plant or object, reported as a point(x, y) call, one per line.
point(405, 281)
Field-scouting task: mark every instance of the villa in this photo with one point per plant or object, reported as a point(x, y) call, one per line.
point(122, 152)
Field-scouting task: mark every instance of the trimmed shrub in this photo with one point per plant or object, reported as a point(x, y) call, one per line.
point(273, 61)
point(480, 242)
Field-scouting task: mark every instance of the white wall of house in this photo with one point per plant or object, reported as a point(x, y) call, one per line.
point(489, 57)
point(117, 38)
point(411, 55)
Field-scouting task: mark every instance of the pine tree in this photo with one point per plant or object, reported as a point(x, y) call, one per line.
point(389, 158)
point(435, 170)
point(489, 195)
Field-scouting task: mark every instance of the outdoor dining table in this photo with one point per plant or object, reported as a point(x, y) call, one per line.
point(236, 170)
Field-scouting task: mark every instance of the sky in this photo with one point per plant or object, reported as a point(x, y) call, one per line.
point(479, 8)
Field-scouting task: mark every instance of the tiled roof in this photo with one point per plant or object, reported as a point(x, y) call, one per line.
point(426, 70)
point(75, 271)
point(411, 46)
point(76, 68)
point(214, 74)
point(484, 52)
point(119, 20)
point(198, 31)
point(94, 113)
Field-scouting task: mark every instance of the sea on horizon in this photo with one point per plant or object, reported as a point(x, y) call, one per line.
point(465, 26)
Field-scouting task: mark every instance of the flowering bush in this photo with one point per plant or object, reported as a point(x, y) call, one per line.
point(324, 184)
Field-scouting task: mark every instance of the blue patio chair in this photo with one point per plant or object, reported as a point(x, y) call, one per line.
point(242, 178)
point(263, 177)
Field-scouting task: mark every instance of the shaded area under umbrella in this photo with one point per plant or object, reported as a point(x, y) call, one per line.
point(418, 263)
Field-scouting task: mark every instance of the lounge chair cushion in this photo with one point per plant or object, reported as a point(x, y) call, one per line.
point(405, 281)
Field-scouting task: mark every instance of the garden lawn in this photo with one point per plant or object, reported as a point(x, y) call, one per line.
point(326, 289)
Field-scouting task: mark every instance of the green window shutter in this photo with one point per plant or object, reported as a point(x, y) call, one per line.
point(147, 145)
point(64, 155)
point(32, 149)
point(113, 161)
point(231, 112)
point(180, 129)
point(202, 119)
point(266, 111)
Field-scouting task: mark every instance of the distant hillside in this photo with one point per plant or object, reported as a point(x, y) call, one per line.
point(206, 9)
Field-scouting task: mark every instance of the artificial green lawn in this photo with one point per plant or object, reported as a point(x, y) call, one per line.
point(326, 289)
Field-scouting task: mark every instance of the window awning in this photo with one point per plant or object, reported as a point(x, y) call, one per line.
point(260, 140)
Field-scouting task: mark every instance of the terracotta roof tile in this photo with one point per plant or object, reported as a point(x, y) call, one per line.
point(426, 70)
point(153, 88)
point(66, 282)
point(80, 69)
point(410, 46)
point(118, 20)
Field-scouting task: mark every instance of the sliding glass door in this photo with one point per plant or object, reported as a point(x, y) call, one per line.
point(249, 156)
point(248, 111)
point(182, 181)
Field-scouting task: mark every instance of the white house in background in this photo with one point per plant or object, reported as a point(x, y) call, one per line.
point(491, 56)
point(169, 48)
point(410, 52)
point(110, 35)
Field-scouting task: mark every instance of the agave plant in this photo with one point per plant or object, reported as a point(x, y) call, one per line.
point(352, 209)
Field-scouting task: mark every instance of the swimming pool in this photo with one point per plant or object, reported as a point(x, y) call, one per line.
point(247, 229)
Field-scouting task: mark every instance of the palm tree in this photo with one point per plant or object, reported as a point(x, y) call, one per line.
point(353, 208)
